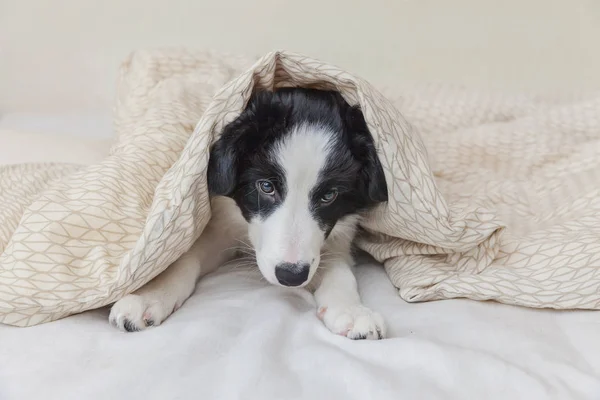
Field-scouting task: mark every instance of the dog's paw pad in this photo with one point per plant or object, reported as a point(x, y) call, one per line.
point(148, 319)
point(355, 322)
point(133, 313)
point(130, 325)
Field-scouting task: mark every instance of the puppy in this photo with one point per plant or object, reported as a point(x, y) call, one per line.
point(291, 176)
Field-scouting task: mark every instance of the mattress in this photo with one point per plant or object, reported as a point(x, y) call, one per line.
point(239, 338)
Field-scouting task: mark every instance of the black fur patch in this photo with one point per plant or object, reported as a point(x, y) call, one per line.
point(242, 155)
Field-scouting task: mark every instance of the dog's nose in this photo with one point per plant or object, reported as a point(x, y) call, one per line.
point(289, 274)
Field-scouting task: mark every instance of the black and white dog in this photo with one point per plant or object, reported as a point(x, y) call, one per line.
point(291, 175)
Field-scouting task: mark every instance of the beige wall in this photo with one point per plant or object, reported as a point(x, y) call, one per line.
point(62, 55)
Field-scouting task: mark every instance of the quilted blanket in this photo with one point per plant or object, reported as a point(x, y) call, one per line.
point(492, 197)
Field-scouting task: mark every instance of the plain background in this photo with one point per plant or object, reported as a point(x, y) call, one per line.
point(62, 56)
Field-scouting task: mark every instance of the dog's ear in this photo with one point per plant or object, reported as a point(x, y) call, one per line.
point(239, 137)
point(222, 166)
point(372, 176)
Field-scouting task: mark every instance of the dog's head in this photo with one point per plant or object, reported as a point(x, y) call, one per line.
point(297, 162)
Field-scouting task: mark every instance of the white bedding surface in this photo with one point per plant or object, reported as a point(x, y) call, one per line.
point(238, 337)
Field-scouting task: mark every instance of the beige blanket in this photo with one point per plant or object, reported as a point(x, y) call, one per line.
point(75, 238)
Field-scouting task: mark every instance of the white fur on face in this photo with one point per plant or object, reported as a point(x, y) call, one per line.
point(291, 234)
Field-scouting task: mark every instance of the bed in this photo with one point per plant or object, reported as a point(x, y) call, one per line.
point(238, 337)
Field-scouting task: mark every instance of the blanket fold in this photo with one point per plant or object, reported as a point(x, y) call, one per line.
point(76, 238)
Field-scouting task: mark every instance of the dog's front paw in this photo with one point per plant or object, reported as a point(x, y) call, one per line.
point(354, 322)
point(135, 313)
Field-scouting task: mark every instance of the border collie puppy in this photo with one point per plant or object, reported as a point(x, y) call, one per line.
point(291, 176)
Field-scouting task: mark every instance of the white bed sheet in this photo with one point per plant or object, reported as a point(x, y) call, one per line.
point(239, 338)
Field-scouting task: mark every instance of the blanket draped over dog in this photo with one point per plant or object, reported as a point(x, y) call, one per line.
point(503, 205)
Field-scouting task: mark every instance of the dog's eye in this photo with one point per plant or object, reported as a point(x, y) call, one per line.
point(266, 187)
point(329, 197)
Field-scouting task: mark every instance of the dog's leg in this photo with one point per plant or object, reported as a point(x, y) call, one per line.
point(159, 298)
point(340, 307)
